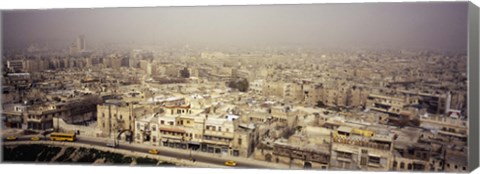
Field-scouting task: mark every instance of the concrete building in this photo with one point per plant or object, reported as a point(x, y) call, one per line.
point(361, 149)
point(115, 116)
point(17, 65)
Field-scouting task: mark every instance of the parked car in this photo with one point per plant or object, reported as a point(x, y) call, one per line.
point(231, 163)
point(35, 138)
point(11, 138)
point(153, 151)
point(112, 144)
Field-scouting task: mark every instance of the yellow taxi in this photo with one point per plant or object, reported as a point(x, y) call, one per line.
point(153, 151)
point(231, 163)
point(35, 138)
point(11, 138)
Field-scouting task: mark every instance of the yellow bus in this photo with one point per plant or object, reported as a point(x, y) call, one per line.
point(57, 136)
point(362, 132)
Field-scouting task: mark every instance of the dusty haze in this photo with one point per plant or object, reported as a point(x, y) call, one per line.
point(440, 26)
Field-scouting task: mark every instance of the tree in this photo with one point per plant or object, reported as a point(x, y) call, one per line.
point(240, 84)
point(408, 122)
point(185, 73)
point(415, 122)
point(320, 104)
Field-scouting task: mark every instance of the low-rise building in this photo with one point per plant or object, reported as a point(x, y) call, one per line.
point(361, 149)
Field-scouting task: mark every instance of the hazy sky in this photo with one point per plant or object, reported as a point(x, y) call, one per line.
point(397, 25)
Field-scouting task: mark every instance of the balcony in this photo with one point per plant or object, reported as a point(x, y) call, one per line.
point(216, 142)
point(375, 165)
point(38, 119)
point(169, 136)
point(361, 142)
point(218, 134)
point(344, 159)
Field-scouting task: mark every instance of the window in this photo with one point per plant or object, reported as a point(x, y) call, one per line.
point(162, 122)
point(188, 122)
point(363, 161)
point(220, 129)
point(239, 141)
point(394, 164)
point(409, 166)
point(121, 117)
point(103, 125)
point(103, 115)
point(154, 128)
point(402, 165)
point(344, 155)
point(374, 160)
point(154, 139)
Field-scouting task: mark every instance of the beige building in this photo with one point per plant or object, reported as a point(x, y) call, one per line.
point(244, 140)
point(361, 149)
point(116, 116)
point(386, 104)
point(308, 149)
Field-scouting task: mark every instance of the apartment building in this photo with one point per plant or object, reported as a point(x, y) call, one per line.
point(361, 149)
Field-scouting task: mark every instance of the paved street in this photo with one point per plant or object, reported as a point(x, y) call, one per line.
point(178, 153)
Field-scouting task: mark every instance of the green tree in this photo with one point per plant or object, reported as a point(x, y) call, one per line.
point(240, 84)
point(320, 104)
point(185, 73)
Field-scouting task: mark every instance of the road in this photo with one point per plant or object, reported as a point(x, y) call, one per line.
point(174, 153)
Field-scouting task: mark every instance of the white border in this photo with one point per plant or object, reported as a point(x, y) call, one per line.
point(49, 4)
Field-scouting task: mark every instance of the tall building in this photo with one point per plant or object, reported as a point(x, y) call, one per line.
point(81, 43)
point(16, 65)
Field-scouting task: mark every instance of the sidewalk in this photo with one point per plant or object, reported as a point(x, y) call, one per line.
point(241, 160)
point(249, 161)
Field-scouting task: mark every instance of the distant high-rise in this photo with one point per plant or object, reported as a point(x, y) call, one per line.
point(81, 43)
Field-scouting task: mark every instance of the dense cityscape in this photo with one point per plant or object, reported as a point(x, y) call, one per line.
point(367, 110)
point(295, 106)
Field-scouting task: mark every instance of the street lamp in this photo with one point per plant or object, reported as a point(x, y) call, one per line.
point(190, 150)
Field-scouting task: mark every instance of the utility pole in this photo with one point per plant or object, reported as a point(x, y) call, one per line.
point(114, 142)
point(109, 121)
point(58, 126)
